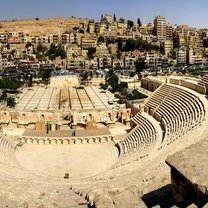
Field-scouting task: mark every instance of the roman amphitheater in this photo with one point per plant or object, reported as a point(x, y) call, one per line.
point(65, 145)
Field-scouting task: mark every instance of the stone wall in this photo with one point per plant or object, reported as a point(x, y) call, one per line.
point(26, 118)
point(174, 81)
point(185, 83)
point(189, 174)
point(5, 117)
point(64, 140)
point(193, 86)
point(150, 84)
point(134, 109)
point(102, 116)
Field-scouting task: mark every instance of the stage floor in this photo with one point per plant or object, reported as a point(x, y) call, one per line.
point(67, 133)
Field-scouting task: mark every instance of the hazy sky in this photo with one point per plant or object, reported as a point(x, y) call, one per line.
point(191, 12)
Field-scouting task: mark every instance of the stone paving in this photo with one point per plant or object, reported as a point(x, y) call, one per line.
point(67, 98)
point(77, 160)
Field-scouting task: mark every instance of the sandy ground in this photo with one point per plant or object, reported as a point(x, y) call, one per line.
point(77, 160)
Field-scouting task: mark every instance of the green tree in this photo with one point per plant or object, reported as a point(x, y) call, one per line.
point(120, 45)
point(75, 28)
point(9, 83)
point(162, 49)
point(124, 92)
point(81, 31)
point(45, 75)
point(41, 52)
point(139, 23)
point(28, 44)
point(119, 54)
point(81, 64)
point(114, 17)
point(113, 82)
point(111, 73)
point(54, 52)
point(130, 23)
point(205, 43)
point(130, 45)
point(104, 86)
point(101, 39)
point(11, 102)
point(91, 52)
point(30, 80)
point(60, 52)
point(137, 95)
point(85, 76)
point(123, 85)
point(176, 42)
point(140, 65)
point(8, 46)
point(3, 96)
point(109, 41)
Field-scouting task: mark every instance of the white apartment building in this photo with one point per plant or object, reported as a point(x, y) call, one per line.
point(3, 37)
point(104, 62)
point(118, 63)
point(150, 59)
point(169, 32)
point(190, 56)
point(72, 38)
point(181, 56)
point(129, 62)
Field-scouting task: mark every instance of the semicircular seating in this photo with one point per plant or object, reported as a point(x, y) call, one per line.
point(175, 109)
point(180, 111)
point(6, 146)
point(141, 136)
point(204, 82)
point(7, 155)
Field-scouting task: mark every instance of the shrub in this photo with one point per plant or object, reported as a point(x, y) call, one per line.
point(11, 102)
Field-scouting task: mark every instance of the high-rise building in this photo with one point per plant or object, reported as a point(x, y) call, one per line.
point(189, 56)
point(91, 26)
point(169, 32)
point(160, 27)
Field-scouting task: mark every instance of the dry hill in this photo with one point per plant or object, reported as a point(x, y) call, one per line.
point(45, 26)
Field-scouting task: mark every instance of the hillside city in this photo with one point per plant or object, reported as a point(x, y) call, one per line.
point(158, 46)
point(108, 113)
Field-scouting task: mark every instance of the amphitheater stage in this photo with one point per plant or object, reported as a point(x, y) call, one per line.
point(79, 161)
point(67, 133)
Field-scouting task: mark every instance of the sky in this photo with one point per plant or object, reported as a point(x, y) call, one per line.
point(191, 12)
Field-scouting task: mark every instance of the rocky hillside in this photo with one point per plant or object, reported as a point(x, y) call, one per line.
point(45, 26)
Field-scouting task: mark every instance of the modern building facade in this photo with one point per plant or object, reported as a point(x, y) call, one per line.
point(160, 27)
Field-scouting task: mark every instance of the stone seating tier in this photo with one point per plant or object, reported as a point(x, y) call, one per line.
point(180, 110)
point(140, 137)
point(6, 145)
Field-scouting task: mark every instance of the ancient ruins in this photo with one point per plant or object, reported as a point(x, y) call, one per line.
point(66, 145)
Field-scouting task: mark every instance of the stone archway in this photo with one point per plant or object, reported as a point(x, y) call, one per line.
point(41, 141)
point(53, 141)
